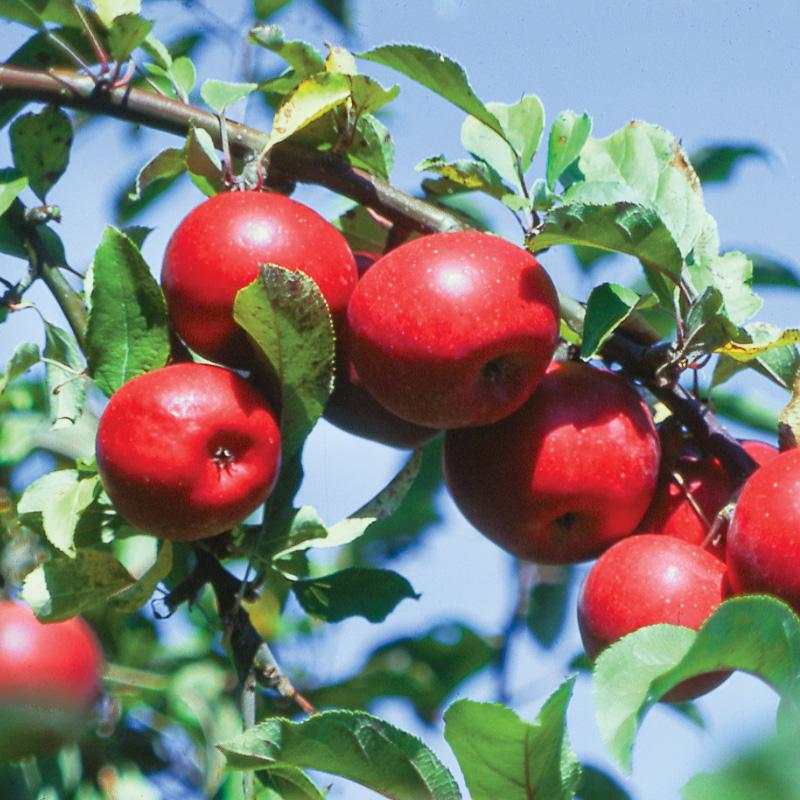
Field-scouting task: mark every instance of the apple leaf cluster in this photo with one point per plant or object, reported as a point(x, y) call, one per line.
point(67, 550)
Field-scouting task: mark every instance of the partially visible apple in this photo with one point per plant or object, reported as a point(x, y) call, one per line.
point(648, 579)
point(453, 329)
point(188, 451)
point(564, 477)
point(763, 542)
point(49, 681)
point(353, 409)
point(216, 250)
point(703, 479)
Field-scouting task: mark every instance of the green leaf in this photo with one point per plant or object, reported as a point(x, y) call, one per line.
point(717, 163)
point(11, 184)
point(66, 387)
point(64, 587)
point(184, 75)
point(568, 134)
point(353, 745)
point(547, 605)
point(126, 33)
point(288, 319)
point(372, 148)
point(368, 95)
point(136, 596)
point(60, 497)
point(745, 410)
point(596, 784)
point(609, 305)
point(40, 144)
point(355, 592)
point(109, 10)
point(218, 95)
point(501, 755)
point(438, 73)
point(167, 165)
point(35, 13)
point(263, 9)
point(25, 355)
point(650, 162)
point(771, 272)
point(465, 174)
point(756, 634)
point(128, 331)
point(483, 143)
point(287, 783)
point(634, 230)
point(362, 231)
point(312, 98)
point(301, 57)
point(425, 671)
point(202, 162)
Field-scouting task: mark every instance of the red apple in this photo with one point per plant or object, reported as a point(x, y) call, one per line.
point(764, 536)
point(704, 478)
point(565, 476)
point(49, 681)
point(216, 250)
point(650, 579)
point(454, 329)
point(188, 451)
point(353, 409)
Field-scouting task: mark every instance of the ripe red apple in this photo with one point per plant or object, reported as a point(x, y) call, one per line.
point(216, 250)
point(565, 476)
point(188, 451)
point(49, 681)
point(650, 579)
point(763, 543)
point(454, 329)
point(353, 409)
point(704, 478)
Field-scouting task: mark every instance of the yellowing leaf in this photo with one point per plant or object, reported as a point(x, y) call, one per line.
point(747, 351)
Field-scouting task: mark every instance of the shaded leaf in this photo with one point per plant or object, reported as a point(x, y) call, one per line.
point(202, 162)
point(25, 355)
point(596, 784)
point(372, 148)
point(464, 175)
point(609, 305)
point(717, 163)
point(288, 783)
point(547, 606)
point(11, 184)
point(353, 745)
point(66, 386)
point(770, 272)
point(501, 755)
point(136, 596)
point(128, 331)
point(568, 134)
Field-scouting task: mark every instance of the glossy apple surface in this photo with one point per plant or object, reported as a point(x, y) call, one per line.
point(353, 409)
point(565, 476)
point(188, 451)
point(649, 579)
point(702, 477)
point(49, 681)
point(763, 543)
point(216, 250)
point(453, 329)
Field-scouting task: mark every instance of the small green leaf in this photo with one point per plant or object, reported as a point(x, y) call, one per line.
point(768, 271)
point(64, 587)
point(41, 144)
point(547, 605)
point(136, 596)
point(168, 164)
point(368, 95)
point(355, 592)
point(717, 163)
point(287, 783)
point(609, 305)
point(568, 134)
point(596, 784)
point(218, 95)
point(353, 745)
point(25, 355)
point(756, 634)
point(312, 98)
point(109, 10)
point(438, 73)
point(493, 149)
point(183, 76)
point(372, 148)
point(202, 162)
point(362, 231)
point(60, 497)
point(262, 9)
point(523, 123)
point(637, 231)
point(158, 51)
point(126, 33)
point(466, 174)
point(35, 13)
point(501, 755)
point(287, 317)
point(301, 57)
point(128, 326)
point(64, 376)
point(11, 184)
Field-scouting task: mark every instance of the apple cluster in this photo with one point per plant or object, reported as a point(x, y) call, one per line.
point(555, 461)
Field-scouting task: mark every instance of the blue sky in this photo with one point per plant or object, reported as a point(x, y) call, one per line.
point(707, 71)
